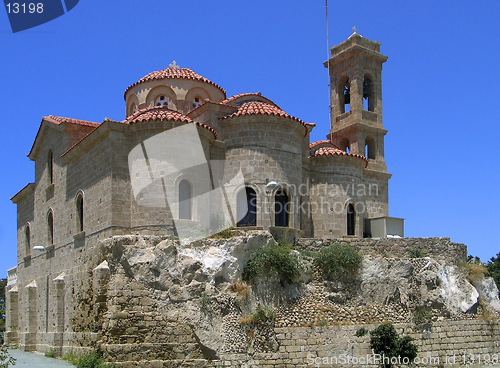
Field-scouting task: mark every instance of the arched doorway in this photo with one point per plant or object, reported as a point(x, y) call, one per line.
point(281, 208)
point(247, 200)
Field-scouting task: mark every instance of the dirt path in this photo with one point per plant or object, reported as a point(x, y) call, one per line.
point(35, 360)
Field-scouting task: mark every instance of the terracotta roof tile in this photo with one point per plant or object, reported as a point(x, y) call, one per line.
point(261, 108)
point(156, 113)
point(59, 120)
point(323, 142)
point(162, 113)
point(230, 100)
point(330, 149)
point(171, 73)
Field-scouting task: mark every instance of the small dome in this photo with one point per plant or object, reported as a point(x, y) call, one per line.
point(172, 73)
point(327, 148)
point(162, 113)
point(155, 113)
point(261, 108)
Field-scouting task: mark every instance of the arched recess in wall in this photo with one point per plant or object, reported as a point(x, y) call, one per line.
point(345, 145)
point(185, 200)
point(153, 97)
point(195, 97)
point(344, 94)
point(246, 207)
point(351, 219)
point(370, 149)
point(50, 227)
point(282, 207)
point(50, 166)
point(368, 93)
point(27, 239)
point(79, 212)
point(132, 104)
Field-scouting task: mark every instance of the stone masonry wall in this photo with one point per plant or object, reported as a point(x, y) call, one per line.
point(440, 249)
point(319, 346)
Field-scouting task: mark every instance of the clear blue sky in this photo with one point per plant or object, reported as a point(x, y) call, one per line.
point(440, 89)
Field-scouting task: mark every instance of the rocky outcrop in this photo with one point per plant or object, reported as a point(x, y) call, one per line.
point(186, 300)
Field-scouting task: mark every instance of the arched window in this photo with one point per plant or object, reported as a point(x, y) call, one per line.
point(185, 200)
point(345, 96)
point(368, 94)
point(344, 144)
point(79, 212)
point(27, 239)
point(351, 220)
point(50, 227)
point(133, 108)
point(50, 167)
point(247, 200)
point(161, 100)
point(197, 102)
point(281, 208)
point(370, 148)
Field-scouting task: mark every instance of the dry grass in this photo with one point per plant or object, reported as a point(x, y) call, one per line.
point(240, 288)
point(475, 272)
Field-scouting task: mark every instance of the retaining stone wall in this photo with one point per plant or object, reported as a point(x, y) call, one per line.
point(440, 249)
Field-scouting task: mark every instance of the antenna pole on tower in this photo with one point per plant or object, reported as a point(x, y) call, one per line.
point(328, 64)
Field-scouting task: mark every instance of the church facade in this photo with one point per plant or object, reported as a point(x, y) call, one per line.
point(83, 190)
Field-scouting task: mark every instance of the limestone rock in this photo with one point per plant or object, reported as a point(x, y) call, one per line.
point(488, 292)
point(458, 294)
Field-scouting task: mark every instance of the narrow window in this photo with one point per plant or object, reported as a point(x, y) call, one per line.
point(247, 200)
point(50, 167)
point(351, 219)
point(345, 97)
point(27, 239)
point(368, 101)
point(281, 208)
point(344, 144)
point(50, 226)
point(79, 213)
point(185, 200)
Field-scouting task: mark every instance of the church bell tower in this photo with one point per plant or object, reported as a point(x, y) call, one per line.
point(355, 70)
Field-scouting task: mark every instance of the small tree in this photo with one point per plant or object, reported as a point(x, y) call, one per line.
point(386, 342)
point(494, 269)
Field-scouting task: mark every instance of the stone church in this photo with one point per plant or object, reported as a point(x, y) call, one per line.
point(83, 193)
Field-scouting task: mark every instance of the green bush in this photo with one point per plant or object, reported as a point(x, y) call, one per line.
point(92, 360)
point(70, 357)
point(51, 353)
point(417, 252)
point(261, 315)
point(338, 261)
point(361, 332)
point(422, 317)
point(5, 357)
point(386, 342)
point(273, 259)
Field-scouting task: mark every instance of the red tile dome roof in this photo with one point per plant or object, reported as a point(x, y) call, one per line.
point(327, 148)
point(261, 108)
point(171, 73)
point(162, 113)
